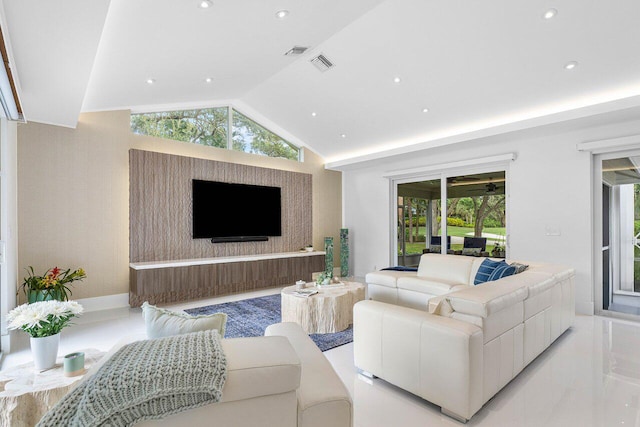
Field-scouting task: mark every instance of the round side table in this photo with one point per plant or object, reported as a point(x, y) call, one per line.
point(26, 394)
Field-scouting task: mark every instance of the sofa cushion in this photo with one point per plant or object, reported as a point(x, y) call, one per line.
point(538, 282)
point(486, 269)
point(387, 277)
point(482, 301)
point(445, 268)
point(560, 272)
point(426, 286)
point(161, 322)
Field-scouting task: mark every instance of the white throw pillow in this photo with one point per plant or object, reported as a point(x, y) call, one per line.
point(443, 308)
point(164, 323)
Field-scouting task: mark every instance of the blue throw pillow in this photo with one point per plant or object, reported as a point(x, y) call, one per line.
point(502, 271)
point(486, 269)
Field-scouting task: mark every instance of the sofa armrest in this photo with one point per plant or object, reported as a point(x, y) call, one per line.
point(387, 278)
point(259, 366)
point(323, 400)
point(438, 358)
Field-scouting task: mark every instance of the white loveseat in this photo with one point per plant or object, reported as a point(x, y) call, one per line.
point(279, 380)
point(461, 347)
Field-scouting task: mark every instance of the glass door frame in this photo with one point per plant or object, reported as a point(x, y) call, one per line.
point(443, 175)
point(597, 242)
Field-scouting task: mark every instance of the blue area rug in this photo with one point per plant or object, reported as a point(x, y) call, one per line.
point(250, 317)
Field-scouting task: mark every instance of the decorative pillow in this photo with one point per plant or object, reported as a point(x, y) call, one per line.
point(471, 251)
point(435, 248)
point(164, 323)
point(519, 267)
point(443, 308)
point(486, 269)
point(502, 271)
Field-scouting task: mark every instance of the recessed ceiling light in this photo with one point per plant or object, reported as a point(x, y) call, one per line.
point(396, 79)
point(570, 65)
point(208, 80)
point(343, 135)
point(550, 13)
point(313, 114)
point(151, 81)
point(425, 110)
point(281, 14)
point(205, 4)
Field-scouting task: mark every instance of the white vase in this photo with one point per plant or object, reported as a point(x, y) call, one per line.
point(45, 351)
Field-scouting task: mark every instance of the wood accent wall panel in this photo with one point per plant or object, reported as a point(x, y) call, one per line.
point(160, 216)
point(173, 284)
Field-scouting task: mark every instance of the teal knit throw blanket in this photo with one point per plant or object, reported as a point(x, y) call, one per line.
point(146, 380)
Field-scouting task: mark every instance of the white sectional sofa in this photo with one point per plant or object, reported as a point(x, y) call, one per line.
point(435, 334)
point(279, 380)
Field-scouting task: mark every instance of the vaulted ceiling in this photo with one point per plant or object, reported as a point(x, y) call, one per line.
point(408, 74)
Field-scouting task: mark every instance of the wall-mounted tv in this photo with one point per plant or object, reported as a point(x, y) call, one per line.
point(226, 212)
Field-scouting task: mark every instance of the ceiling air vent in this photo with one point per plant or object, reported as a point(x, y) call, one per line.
point(322, 63)
point(296, 50)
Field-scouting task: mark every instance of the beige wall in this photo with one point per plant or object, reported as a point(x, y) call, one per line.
point(73, 196)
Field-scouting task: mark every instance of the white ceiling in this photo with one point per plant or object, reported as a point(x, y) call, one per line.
point(474, 65)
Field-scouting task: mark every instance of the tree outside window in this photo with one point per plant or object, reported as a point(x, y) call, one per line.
point(203, 126)
point(250, 137)
point(210, 127)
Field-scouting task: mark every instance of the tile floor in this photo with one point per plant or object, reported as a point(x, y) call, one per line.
point(589, 377)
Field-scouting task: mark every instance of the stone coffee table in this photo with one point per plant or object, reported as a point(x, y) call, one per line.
point(328, 311)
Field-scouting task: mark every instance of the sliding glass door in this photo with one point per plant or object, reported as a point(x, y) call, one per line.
point(418, 219)
point(471, 222)
point(621, 234)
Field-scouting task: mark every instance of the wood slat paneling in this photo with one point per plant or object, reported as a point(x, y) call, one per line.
point(160, 207)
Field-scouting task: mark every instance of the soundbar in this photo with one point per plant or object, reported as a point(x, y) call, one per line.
point(239, 239)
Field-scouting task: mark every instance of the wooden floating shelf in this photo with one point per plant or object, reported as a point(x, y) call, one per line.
point(181, 280)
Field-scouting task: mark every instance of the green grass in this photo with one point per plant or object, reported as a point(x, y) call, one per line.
point(463, 231)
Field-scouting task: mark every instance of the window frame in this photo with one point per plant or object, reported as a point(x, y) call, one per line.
point(443, 174)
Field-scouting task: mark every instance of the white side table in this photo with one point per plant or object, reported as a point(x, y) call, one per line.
point(26, 395)
point(328, 311)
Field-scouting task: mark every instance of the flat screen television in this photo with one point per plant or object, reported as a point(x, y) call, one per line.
point(226, 212)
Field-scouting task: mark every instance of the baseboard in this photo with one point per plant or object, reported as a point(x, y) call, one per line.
point(585, 307)
point(104, 303)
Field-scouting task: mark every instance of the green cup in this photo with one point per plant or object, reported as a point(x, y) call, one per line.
point(74, 364)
